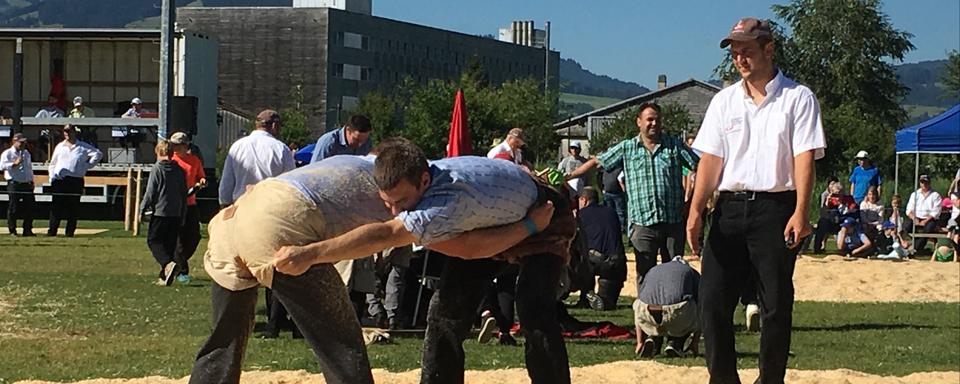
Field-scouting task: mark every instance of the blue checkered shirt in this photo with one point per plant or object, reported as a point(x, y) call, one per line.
point(468, 193)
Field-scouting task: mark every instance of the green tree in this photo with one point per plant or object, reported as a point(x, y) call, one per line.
point(842, 50)
point(950, 81)
point(295, 116)
point(422, 112)
point(674, 118)
point(622, 127)
point(381, 109)
point(522, 103)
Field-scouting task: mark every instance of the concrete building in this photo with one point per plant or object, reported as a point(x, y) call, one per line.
point(693, 94)
point(337, 55)
point(523, 33)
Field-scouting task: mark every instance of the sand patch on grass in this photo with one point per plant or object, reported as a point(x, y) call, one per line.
point(621, 372)
point(862, 281)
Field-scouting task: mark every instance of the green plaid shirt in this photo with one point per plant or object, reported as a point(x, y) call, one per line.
point(654, 181)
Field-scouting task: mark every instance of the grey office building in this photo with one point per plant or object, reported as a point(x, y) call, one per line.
point(337, 55)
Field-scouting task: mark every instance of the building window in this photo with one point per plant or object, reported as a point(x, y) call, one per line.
point(338, 39)
point(348, 102)
point(364, 74)
point(351, 71)
point(355, 40)
point(338, 70)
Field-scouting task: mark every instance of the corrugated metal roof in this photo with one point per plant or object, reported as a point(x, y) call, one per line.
point(78, 33)
point(626, 103)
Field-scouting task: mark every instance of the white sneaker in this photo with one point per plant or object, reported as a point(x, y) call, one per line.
point(486, 329)
point(168, 273)
point(753, 317)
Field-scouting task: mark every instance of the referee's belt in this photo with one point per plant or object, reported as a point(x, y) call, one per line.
point(754, 195)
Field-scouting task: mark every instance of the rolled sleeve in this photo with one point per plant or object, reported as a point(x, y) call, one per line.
point(709, 139)
point(689, 158)
point(612, 157)
point(808, 127)
point(435, 219)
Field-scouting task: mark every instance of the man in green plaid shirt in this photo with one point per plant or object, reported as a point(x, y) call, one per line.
point(653, 164)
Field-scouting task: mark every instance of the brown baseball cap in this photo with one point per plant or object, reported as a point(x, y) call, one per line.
point(517, 133)
point(747, 29)
point(19, 137)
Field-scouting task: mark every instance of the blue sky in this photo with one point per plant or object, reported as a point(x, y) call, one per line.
point(635, 40)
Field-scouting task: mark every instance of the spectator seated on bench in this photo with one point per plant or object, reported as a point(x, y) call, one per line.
point(836, 208)
point(923, 210)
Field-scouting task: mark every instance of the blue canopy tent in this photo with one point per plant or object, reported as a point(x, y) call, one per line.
point(304, 155)
point(940, 134)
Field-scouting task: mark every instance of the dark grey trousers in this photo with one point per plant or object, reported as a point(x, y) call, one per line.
point(665, 239)
point(317, 301)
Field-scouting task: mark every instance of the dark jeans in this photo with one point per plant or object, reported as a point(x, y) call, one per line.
point(501, 298)
point(277, 315)
point(663, 238)
point(188, 240)
point(747, 236)
point(825, 227)
point(66, 200)
point(609, 292)
point(619, 204)
point(749, 294)
point(20, 206)
point(453, 306)
point(162, 239)
point(929, 227)
point(318, 304)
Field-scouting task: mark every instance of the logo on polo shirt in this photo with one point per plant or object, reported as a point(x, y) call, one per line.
point(735, 125)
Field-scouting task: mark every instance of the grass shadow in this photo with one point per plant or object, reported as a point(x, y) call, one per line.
point(862, 327)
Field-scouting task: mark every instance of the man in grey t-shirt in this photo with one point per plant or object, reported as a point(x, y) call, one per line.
point(667, 306)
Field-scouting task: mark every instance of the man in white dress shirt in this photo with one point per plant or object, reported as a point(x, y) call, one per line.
point(255, 157)
point(70, 161)
point(509, 148)
point(923, 209)
point(15, 163)
point(758, 142)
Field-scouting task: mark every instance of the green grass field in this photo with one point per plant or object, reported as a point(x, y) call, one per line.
point(85, 307)
point(594, 101)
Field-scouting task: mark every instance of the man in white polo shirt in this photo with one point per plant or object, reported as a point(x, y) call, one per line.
point(255, 157)
point(759, 140)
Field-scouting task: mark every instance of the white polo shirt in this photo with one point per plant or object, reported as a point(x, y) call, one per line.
point(251, 159)
point(758, 142)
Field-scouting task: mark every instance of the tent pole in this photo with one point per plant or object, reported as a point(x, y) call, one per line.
point(896, 174)
point(916, 176)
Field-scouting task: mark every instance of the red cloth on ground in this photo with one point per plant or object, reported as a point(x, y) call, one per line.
point(600, 330)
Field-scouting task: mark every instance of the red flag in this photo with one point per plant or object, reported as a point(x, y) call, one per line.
point(458, 143)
